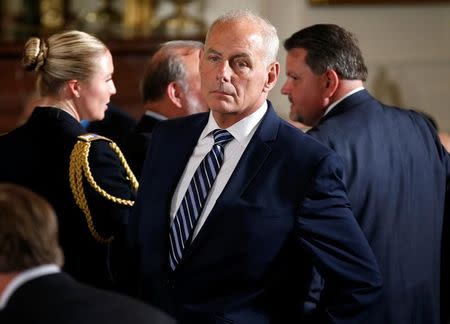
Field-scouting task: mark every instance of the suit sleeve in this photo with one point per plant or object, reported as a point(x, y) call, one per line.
point(110, 175)
point(328, 230)
point(445, 256)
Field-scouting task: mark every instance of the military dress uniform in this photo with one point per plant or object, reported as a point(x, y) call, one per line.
point(84, 177)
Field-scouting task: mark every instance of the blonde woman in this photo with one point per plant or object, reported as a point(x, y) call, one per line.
point(84, 177)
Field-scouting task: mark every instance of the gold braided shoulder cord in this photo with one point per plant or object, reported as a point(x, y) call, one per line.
point(79, 165)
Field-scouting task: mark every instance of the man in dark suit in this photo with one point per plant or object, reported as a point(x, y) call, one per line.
point(170, 88)
point(32, 287)
point(240, 251)
point(396, 171)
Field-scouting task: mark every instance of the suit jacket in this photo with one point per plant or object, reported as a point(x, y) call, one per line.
point(284, 205)
point(58, 299)
point(397, 174)
point(137, 142)
point(36, 155)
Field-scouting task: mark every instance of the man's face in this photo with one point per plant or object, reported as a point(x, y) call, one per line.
point(304, 89)
point(235, 76)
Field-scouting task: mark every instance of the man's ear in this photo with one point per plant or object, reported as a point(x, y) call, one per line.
point(74, 87)
point(175, 93)
point(272, 76)
point(331, 83)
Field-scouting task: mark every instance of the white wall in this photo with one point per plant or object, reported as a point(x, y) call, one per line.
point(406, 47)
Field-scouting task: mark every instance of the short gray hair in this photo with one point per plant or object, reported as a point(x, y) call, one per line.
point(165, 66)
point(268, 31)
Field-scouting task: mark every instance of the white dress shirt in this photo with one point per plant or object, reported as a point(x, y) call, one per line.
point(242, 132)
point(155, 115)
point(334, 104)
point(24, 277)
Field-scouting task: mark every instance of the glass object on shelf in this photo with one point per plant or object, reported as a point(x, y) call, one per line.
point(51, 14)
point(181, 23)
point(106, 19)
point(139, 17)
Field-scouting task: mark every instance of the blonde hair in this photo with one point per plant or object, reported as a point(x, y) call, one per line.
point(28, 230)
point(70, 55)
point(268, 31)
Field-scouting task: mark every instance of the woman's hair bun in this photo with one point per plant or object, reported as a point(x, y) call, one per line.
point(35, 54)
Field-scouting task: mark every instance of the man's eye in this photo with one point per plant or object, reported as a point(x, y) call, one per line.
point(213, 58)
point(241, 64)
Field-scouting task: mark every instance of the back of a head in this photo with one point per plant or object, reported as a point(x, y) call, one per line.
point(28, 230)
point(166, 66)
point(268, 31)
point(330, 46)
point(69, 55)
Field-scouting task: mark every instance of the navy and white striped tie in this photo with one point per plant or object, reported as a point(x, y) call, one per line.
point(193, 201)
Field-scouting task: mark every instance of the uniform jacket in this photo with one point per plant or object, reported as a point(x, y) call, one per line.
point(36, 155)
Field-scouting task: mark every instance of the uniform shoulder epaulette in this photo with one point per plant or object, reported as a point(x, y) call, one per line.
point(79, 169)
point(90, 137)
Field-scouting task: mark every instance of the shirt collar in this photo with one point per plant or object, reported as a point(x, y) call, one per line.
point(240, 130)
point(334, 104)
point(24, 277)
point(155, 115)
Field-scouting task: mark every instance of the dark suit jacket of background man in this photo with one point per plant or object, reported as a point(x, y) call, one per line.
point(116, 125)
point(396, 172)
point(247, 263)
point(137, 142)
point(58, 299)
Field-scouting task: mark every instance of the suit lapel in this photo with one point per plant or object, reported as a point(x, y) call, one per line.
point(246, 170)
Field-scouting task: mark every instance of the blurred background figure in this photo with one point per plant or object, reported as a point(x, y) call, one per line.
point(443, 136)
point(170, 88)
point(445, 139)
point(116, 125)
point(84, 178)
point(32, 287)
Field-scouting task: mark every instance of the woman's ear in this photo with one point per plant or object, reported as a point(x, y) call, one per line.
point(74, 88)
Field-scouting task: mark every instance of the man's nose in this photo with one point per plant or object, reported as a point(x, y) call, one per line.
point(285, 88)
point(224, 72)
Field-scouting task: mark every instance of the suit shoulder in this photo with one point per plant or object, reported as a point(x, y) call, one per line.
point(186, 120)
point(124, 309)
point(300, 142)
point(175, 124)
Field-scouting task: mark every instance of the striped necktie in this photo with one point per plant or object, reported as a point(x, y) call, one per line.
point(193, 201)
